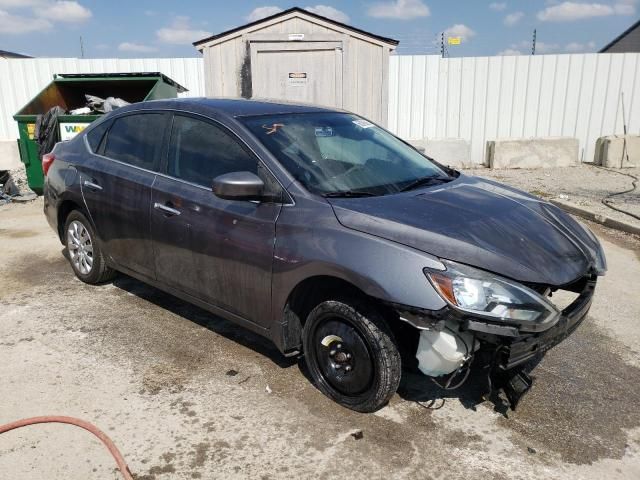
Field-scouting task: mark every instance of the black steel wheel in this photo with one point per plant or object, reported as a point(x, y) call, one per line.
point(351, 354)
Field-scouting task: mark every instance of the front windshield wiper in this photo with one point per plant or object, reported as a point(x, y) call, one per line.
point(425, 181)
point(349, 194)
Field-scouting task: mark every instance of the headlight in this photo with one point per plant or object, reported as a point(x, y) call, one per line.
point(498, 299)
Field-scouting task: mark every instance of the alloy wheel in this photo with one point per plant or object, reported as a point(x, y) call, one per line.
point(80, 247)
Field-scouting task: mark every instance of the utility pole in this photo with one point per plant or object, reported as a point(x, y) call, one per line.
point(442, 44)
point(533, 46)
point(81, 48)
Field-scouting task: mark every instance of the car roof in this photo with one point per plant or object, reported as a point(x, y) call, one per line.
point(233, 107)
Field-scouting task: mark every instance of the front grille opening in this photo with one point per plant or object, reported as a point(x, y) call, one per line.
point(562, 298)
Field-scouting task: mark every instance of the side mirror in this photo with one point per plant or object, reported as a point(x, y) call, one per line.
point(238, 186)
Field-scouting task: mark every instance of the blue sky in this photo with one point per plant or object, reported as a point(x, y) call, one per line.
point(146, 28)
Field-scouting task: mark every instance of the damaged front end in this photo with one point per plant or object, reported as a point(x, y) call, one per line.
point(498, 326)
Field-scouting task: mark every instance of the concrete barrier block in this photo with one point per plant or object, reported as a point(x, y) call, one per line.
point(618, 151)
point(9, 155)
point(454, 152)
point(546, 152)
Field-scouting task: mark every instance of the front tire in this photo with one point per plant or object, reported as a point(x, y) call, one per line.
point(85, 255)
point(351, 354)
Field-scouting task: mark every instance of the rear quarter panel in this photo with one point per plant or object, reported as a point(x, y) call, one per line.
point(62, 181)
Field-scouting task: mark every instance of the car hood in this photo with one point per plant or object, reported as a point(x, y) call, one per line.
point(480, 223)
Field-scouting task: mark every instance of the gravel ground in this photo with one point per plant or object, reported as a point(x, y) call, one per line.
point(184, 394)
point(584, 186)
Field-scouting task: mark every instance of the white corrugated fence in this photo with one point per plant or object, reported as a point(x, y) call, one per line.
point(22, 79)
point(487, 98)
point(475, 99)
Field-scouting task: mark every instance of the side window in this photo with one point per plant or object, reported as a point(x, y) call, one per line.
point(136, 139)
point(200, 151)
point(95, 135)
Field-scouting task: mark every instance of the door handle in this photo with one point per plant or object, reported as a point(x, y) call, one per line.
point(91, 185)
point(166, 209)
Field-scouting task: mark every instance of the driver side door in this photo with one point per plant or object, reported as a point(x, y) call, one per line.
point(219, 251)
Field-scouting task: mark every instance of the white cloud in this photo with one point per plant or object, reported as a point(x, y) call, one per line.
point(64, 11)
point(524, 46)
point(543, 47)
point(498, 6)
point(459, 30)
point(625, 7)
point(262, 12)
point(576, 47)
point(329, 12)
point(509, 51)
point(8, 4)
point(17, 24)
point(572, 11)
point(399, 9)
point(135, 47)
point(512, 19)
point(44, 14)
point(180, 32)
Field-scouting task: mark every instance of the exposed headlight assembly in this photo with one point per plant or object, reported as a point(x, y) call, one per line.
point(494, 298)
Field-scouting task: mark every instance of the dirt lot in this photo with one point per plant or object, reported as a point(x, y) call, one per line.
point(159, 376)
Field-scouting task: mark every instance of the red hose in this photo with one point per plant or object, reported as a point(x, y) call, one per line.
point(122, 465)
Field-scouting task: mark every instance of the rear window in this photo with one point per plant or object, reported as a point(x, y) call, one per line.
point(136, 139)
point(95, 136)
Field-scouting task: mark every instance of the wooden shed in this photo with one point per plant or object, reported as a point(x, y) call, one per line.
point(300, 56)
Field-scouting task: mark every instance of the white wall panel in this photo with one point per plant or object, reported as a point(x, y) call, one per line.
point(22, 79)
point(485, 98)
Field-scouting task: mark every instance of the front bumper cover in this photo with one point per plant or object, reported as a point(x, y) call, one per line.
point(524, 348)
point(513, 346)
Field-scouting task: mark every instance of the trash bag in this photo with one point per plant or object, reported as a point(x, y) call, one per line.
point(80, 111)
point(47, 132)
point(101, 105)
point(7, 186)
point(10, 191)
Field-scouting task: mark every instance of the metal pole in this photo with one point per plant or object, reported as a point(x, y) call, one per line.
point(81, 48)
point(442, 44)
point(625, 151)
point(533, 46)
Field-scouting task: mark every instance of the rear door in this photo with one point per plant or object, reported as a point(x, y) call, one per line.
point(116, 185)
point(220, 251)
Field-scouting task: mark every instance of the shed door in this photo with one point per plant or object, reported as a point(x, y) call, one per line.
point(298, 72)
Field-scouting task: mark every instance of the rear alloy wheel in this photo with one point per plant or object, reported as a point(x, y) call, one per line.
point(351, 354)
point(85, 255)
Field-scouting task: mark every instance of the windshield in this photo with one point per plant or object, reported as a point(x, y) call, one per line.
point(340, 154)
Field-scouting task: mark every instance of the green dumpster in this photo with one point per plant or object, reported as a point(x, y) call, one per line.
point(68, 91)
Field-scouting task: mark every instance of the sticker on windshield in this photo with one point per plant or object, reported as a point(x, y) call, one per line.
point(271, 129)
point(324, 132)
point(363, 123)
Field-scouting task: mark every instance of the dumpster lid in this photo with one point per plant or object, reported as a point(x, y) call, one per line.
point(165, 79)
